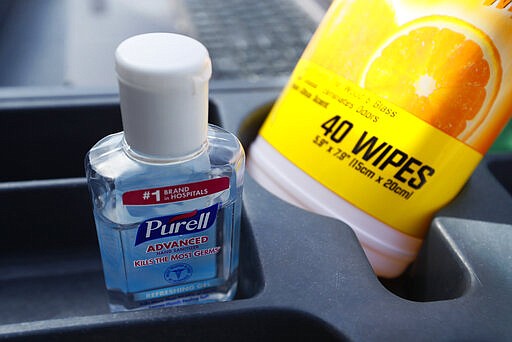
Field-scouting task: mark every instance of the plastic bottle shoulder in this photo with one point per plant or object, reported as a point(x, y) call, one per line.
point(110, 159)
point(112, 171)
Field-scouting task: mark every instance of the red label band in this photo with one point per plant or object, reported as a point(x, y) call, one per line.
point(175, 193)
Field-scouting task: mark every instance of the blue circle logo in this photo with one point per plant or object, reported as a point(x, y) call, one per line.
point(178, 273)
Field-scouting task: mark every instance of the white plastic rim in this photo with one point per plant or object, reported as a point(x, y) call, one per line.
point(388, 250)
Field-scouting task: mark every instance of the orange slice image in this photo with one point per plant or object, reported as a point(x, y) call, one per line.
point(441, 69)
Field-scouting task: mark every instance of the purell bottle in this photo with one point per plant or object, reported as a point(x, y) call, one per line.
point(167, 190)
point(389, 110)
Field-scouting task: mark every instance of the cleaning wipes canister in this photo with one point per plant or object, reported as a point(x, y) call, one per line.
point(389, 110)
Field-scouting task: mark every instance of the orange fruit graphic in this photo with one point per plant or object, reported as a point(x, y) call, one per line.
point(441, 69)
point(348, 39)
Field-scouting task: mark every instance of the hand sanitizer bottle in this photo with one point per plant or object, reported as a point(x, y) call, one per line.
point(167, 190)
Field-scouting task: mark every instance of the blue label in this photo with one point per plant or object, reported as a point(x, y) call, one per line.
point(173, 225)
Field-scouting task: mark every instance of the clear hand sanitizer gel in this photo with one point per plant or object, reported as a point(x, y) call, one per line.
point(167, 190)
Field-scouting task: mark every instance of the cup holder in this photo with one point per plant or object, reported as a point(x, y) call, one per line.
point(51, 142)
point(438, 273)
point(251, 124)
point(50, 245)
point(49, 248)
point(302, 276)
point(501, 168)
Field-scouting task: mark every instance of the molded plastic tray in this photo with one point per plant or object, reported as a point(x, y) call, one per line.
point(302, 276)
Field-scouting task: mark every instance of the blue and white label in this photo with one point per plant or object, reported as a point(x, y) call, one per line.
point(173, 225)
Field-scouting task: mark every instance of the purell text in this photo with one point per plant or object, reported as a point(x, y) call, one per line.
point(181, 224)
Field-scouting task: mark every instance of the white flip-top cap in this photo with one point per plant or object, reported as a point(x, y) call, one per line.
point(163, 89)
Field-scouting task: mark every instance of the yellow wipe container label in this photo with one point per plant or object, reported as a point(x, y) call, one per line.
point(394, 103)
